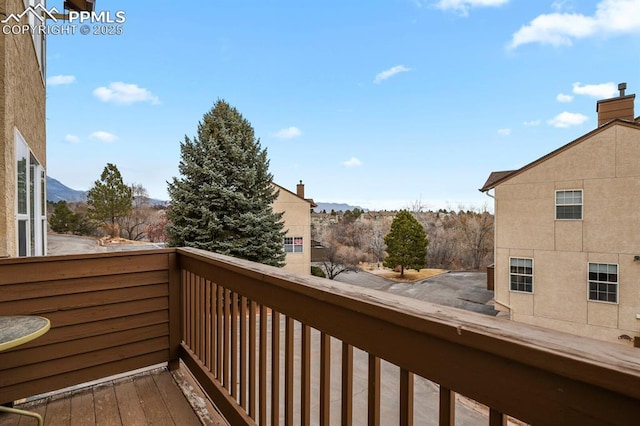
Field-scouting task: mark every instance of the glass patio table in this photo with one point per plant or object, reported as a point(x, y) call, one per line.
point(16, 330)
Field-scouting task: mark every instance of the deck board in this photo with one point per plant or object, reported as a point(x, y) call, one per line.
point(148, 398)
point(59, 412)
point(106, 406)
point(178, 406)
point(129, 403)
point(82, 412)
point(154, 407)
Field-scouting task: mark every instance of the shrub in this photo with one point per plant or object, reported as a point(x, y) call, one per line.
point(318, 272)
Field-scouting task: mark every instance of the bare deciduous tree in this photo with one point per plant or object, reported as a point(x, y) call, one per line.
point(341, 258)
point(134, 225)
point(476, 234)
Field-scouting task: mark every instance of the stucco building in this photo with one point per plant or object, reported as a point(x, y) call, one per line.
point(567, 240)
point(22, 136)
point(297, 223)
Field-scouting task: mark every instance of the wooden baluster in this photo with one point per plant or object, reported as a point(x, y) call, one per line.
point(219, 332)
point(374, 391)
point(325, 379)
point(288, 371)
point(447, 407)
point(243, 353)
point(347, 384)
point(275, 367)
point(262, 386)
point(496, 418)
point(233, 353)
point(406, 398)
point(305, 380)
point(252, 358)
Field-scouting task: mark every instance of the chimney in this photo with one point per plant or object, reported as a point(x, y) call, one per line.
point(300, 190)
point(620, 107)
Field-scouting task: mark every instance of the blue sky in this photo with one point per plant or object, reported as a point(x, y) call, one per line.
point(377, 104)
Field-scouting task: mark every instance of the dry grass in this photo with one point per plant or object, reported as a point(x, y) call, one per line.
point(410, 275)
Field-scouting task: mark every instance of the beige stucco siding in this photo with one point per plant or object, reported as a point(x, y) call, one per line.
point(606, 167)
point(297, 223)
point(22, 107)
point(515, 230)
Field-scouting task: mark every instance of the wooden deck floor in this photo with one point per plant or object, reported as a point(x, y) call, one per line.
point(145, 399)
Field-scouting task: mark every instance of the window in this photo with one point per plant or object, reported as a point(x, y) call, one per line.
point(293, 244)
point(30, 201)
point(603, 282)
point(521, 274)
point(36, 25)
point(569, 204)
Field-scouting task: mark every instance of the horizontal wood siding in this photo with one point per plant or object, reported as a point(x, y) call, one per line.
point(109, 314)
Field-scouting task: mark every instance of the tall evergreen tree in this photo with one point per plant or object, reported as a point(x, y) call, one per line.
point(109, 199)
point(62, 219)
point(406, 243)
point(222, 202)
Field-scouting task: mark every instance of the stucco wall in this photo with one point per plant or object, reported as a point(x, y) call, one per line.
point(606, 166)
point(297, 223)
point(22, 106)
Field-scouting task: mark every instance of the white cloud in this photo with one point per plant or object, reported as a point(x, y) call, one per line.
point(564, 98)
point(560, 29)
point(352, 162)
point(59, 80)
point(124, 93)
point(531, 123)
point(504, 132)
point(462, 6)
point(380, 77)
point(567, 119)
point(563, 5)
point(598, 91)
point(71, 138)
point(288, 133)
point(103, 136)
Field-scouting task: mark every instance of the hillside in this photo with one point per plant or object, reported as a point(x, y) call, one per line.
point(57, 191)
point(322, 206)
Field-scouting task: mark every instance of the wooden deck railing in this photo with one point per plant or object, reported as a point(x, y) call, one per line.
point(234, 311)
point(271, 347)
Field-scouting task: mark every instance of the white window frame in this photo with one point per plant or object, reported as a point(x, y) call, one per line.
point(524, 275)
point(38, 37)
point(617, 283)
point(555, 200)
point(35, 216)
point(293, 244)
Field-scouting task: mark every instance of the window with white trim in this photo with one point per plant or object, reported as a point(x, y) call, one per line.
point(30, 205)
point(521, 274)
point(603, 282)
point(37, 25)
point(293, 244)
point(569, 204)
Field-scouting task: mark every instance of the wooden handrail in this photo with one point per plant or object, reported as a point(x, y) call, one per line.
point(554, 375)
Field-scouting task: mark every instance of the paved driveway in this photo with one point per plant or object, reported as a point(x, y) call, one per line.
point(464, 290)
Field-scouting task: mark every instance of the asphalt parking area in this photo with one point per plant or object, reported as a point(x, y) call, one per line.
point(463, 290)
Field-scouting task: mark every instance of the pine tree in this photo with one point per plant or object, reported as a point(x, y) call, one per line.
point(222, 201)
point(62, 219)
point(406, 243)
point(109, 199)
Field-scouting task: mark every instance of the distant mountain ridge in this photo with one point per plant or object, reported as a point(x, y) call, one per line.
point(57, 191)
point(337, 207)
